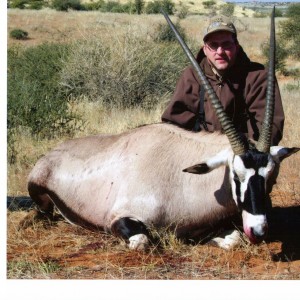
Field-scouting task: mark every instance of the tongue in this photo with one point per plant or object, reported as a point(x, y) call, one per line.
point(252, 238)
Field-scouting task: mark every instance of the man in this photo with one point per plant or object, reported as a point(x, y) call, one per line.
point(239, 84)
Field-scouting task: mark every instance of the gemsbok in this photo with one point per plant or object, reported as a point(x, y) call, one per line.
point(145, 178)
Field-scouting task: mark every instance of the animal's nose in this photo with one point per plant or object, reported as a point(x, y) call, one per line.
point(260, 231)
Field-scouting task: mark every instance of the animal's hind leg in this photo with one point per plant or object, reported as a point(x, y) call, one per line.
point(133, 231)
point(45, 207)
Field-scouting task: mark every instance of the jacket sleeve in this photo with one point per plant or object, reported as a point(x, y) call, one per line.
point(183, 107)
point(256, 100)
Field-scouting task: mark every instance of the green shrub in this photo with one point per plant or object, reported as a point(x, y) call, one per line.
point(124, 74)
point(35, 97)
point(155, 6)
point(280, 57)
point(139, 5)
point(36, 4)
point(293, 10)
point(208, 4)
point(227, 9)
point(183, 12)
point(93, 5)
point(168, 6)
point(165, 34)
point(289, 32)
point(18, 34)
point(65, 5)
point(29, 4)
point(116, 7)
point(18, 4)
point(294, 49)
point(278, 13)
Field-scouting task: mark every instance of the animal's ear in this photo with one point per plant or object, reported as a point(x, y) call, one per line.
point(279, 153)
point(214, 162)
point(198, 169)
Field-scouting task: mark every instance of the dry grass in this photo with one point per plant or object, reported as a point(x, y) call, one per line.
point(64, 251)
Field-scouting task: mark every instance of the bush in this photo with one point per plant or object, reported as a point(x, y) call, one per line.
point(94, 5)
point(18, 34)
point(116, 7)
point(30, 4)
point(289, 32)
point(139, 5)
point(280, 57)
point(227, 9)
point(65, 5)
point(35, 98)
point(18, 4)
point(134, 72)
point(293, 10)
point(208, 4)
point(278, 13)
point(183, 12)
point(165, 34)
point(154, 7)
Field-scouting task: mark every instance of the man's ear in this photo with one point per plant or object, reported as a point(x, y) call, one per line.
point(279, 153)
point(204, 49)
point(212, 163)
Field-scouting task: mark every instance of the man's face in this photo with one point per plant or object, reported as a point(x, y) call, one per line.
point(221, 50)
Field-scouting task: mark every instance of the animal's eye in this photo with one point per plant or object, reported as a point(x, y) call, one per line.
point(268, 170)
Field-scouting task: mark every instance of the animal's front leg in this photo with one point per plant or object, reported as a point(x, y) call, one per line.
point(133, 231)
point(227, 240)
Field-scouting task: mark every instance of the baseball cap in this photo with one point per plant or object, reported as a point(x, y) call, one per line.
point(219, 23)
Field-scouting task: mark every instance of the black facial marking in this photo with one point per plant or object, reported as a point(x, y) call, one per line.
point(237, 187)
point(127, 227)
point(254, 159)
point(254, 200)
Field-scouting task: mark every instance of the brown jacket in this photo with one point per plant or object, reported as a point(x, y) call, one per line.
point(242, 92)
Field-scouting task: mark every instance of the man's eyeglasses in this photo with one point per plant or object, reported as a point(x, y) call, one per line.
point(214, 46)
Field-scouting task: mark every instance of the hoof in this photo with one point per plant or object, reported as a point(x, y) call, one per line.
point(228, 240)
point(138, 242)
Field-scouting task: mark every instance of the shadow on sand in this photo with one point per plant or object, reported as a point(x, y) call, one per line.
point(284, 226)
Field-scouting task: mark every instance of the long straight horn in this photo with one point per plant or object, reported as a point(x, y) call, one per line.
point(264, 141)
point(237, 144)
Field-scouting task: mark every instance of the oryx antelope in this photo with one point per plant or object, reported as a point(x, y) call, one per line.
point(129, 182)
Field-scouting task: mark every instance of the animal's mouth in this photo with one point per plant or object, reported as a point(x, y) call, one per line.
point(255, 238)
point(255, 227)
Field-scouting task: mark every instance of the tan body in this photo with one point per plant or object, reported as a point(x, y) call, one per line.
point(96, 180)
